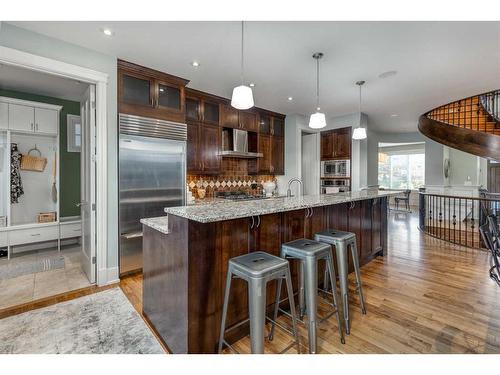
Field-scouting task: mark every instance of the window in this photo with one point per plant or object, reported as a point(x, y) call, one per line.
point(74, 133)
point(401, 166)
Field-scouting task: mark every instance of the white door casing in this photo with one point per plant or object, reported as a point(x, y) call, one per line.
point(106, 274)
point(87, 173)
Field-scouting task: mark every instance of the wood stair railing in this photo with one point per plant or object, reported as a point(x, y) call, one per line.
point(465, 125)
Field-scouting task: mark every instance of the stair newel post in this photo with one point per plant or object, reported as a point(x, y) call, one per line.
point(421, 209)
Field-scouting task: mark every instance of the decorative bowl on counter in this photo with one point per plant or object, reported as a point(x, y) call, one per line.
point(269, 187)
point(201, 193)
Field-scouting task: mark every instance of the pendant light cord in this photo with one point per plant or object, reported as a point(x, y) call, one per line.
point(359, 101)
point(242, 60)
point(317, 84)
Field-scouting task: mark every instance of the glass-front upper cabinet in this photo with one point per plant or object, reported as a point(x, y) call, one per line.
point(193, 109)
point(278, 127)
point(211, 112)
point(169, 96)
point(150, 93)
point(136, 89)
point(264, 124)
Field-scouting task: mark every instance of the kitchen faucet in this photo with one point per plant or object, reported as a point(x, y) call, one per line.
point(289, 191)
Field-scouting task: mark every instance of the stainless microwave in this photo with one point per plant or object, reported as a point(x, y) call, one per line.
point(336, 168)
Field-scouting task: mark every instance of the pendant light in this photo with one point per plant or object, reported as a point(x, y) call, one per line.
point(359, 132)
point(317, 120)
point(242, 95)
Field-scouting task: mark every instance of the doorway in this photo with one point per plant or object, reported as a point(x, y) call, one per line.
point(310, 168)
point(47, 211)
point(493, 177)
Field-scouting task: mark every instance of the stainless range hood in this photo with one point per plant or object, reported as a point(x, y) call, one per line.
point(235, 145)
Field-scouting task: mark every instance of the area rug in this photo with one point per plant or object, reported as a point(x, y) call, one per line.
point(100, 323)
point(15, 269)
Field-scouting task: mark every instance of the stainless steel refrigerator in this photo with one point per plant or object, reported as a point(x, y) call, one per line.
point(152, 173)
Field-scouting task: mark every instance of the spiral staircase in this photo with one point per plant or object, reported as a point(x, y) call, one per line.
point(471, 125)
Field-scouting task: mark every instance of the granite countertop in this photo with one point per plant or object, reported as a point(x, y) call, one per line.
point(220, 211)
point(158, 223)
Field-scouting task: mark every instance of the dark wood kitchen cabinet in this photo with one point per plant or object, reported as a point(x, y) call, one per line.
point(210, 148)
point(203, 147)
point(271, 144)
point(277, 155)
point(203, 133)
point(150, 93)
point(364, 218)
point(202, 107)
point(336, 144)
point(264, 147)
point(233, 118)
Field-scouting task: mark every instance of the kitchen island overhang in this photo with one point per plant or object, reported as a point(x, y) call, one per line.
point(186, 256)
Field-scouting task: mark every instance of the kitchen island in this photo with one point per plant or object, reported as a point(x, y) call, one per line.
point(186, 256)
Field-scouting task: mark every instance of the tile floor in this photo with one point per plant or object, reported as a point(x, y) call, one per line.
point(27, 288)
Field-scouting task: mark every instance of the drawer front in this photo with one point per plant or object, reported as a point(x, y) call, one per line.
point(71, 230)
point(3, 239)
point(23, 236)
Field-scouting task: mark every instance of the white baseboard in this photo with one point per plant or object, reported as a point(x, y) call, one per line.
point(108, 276)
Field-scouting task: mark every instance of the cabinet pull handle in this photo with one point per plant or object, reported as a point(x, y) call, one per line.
point(311, 212)
point(36, 126)
point(258, 221)
point(32, 126)
point(35, 234)
point(253, 223)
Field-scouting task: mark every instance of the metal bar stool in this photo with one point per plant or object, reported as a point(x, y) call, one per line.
point(257, 269)
point(309, 252)
point(341, 241)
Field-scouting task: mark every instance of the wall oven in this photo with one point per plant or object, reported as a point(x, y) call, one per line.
point(336, 168)
point(333, 186)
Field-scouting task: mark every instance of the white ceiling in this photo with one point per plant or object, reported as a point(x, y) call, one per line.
point(436, 61)
point(19, 79)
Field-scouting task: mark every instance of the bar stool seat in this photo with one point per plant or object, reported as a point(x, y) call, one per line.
point(340, 235)
point(309, 252)
point(343, 240)
point(256, 264)
point(257, 269)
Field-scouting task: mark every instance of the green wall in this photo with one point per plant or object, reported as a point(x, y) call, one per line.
point(69, 179)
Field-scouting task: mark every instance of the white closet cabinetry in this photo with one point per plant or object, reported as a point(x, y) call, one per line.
point(4, 116)
point(33, 233)
point(46, 121)
point(32, 119)
point(21, 117)
point(4, 239)
point(30, 125)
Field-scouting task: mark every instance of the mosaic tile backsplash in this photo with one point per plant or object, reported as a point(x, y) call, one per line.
point(213, 184)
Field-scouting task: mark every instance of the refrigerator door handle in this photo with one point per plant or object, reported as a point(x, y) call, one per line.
point(131, 235)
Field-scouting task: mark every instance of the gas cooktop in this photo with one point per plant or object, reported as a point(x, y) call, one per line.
point(237, 195)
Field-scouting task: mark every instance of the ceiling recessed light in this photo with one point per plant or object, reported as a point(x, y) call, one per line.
point(388, 74)
point(195, 64)
point(394, 115)
point(107, 32)
point(251, 84)
point(290, 98)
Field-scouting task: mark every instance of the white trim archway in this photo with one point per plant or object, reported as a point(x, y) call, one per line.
point(26, 60)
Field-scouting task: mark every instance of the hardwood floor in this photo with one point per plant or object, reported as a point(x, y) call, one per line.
point(424, 296)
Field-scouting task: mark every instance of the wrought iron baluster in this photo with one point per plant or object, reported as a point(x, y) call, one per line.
point(454, 220)
point(460, 221)
point(472, 224)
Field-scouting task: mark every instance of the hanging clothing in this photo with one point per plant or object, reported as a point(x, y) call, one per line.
point(16, 185)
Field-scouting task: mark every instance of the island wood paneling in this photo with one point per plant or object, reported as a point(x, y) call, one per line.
point(185, 273)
